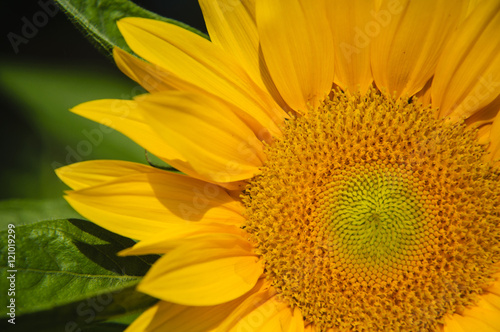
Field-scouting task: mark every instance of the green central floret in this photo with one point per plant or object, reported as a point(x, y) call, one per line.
point(375, 217)
point(371, 215)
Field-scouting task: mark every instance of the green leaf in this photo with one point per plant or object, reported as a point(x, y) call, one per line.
point(59, 262)
point(27, 211)
point(91, 314)
point(97, 19)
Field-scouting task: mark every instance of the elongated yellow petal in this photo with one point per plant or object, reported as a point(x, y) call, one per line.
point(451, 325)
point(202, 64)
point(251, 313)
point(484, 116)
point(174, 236)
point(348, 20)
point(142, 205)
point(156, 79)
point(467, 77)
point(483, 134)
point(495, 287)
point(403, 64)
point(268, 314)
point(124, 116)
point(472, 5)
point(213, 140)
point(169, 317)
point(424, 95)
point(494, 146)
point(147, 320)
point(470, 324)
point(220, 147)
point(209, 271)
point(151, 77)
point(95, 172)
point(231, 25)
point(310, 328)
point(492, 299)
point(298, 50)
point(484, 312)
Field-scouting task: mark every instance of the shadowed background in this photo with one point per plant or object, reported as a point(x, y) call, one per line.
point(53, 70)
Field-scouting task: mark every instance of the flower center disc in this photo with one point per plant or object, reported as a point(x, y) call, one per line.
point(371, 215)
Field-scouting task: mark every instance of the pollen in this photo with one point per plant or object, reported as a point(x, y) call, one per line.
point(372, 215)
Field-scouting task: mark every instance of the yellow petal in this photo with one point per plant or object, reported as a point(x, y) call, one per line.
point(231, 26)
point(167, 317)
point(267, 314)
point(310, 328)
point(213, 140)
point(485, 115)
point(95, 172)
point(151, 77)
point(467, 77)
point(297, 46)
point(156, 79)
point(245, 151)
point(495, 286)
point(403, 64)
point(483, 135)
point(472, 5)
point(209, 271)
point(249, 315)
point(165, 241)
point(424, 95)
point(469, 324)
point(494, 147)
point(483, 312)
point(492, 299)
point(142, 205)
point(348, 19)
point(201, 64)
point(451, 325)
point(171, 317)
point(124, 116)
point(145, 322)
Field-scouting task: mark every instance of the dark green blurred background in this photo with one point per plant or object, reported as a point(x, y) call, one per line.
point(55, 70)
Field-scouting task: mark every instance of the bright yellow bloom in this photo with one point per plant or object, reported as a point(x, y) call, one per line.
point(340, 161)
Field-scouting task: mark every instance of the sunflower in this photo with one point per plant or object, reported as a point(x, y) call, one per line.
point(338, 166)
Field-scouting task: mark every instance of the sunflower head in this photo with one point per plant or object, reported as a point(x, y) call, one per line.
point(323, 190)
point(366, 214)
